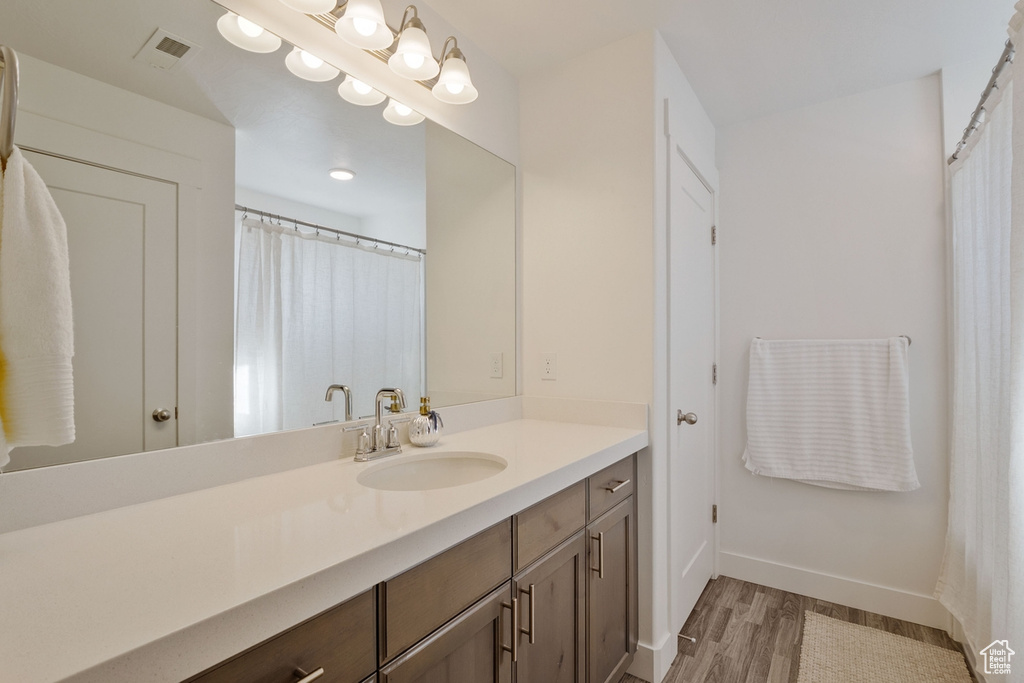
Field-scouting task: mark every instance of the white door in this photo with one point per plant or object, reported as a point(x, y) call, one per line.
point(122, 246)
point(691, 357)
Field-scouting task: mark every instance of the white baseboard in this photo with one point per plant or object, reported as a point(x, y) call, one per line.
point(890, 602)
point(652, 662)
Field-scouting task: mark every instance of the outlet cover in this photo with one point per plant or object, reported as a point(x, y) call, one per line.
point(497, 369)
point(549, 366)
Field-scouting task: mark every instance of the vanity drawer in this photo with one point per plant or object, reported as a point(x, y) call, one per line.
point(609, 486)
point(543, 526)
point(418, 601)
point(340, 641)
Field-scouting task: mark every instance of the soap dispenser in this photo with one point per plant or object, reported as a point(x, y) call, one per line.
point(425, 429)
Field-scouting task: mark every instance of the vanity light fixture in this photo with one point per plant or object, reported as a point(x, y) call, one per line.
point(413, 58)
point(310, 67)
point(362, 24)
point(342, 174)
point(401, 115)
point(246, 34)
point(355, 91)
point(454, 85)
point(310, 6)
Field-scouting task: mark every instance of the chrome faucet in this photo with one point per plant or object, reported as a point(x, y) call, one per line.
point(348, 398)
point(380, 442)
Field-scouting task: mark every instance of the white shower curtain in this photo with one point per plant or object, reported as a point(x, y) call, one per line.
point(982, 578)
point(314, 311)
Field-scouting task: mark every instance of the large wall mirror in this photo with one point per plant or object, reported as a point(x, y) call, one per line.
point(207, 308)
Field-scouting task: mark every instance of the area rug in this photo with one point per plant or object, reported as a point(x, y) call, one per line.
point(835, 651)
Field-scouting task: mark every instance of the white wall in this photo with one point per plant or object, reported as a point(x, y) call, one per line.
point(470, 270)
point(832, 226)
point(588, 178)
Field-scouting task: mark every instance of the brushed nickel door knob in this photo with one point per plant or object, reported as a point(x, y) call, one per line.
point(688, 418)
point(162, 415)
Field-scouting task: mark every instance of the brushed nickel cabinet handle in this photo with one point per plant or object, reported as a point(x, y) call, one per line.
point(619, 485)
point(600, 555)
point(514, 648)
point(533, 611)
point(309, 677)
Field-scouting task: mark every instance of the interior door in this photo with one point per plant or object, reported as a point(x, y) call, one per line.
point(122, 246)
point(691, 359)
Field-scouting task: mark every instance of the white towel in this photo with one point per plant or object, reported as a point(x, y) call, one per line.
point(36, 335)
point(831, 413)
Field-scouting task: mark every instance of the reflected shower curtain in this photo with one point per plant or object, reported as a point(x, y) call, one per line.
point(982, 578)
point(314, 311)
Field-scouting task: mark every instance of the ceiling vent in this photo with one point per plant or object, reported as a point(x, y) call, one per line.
point(166, 51)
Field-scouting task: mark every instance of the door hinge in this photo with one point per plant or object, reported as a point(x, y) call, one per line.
point(175, 412)
point(714, 235)
point(714, 373)
point(714, 514)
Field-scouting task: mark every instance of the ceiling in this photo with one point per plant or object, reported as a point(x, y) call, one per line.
point(749, 58)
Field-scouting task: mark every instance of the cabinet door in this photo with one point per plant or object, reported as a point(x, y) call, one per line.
point(469, 649)
point(552, 609)
point(611, 594)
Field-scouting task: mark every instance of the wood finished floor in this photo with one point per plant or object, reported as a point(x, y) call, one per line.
point(748, 633)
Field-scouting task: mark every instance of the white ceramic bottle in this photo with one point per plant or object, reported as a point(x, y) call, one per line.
point(425, 428)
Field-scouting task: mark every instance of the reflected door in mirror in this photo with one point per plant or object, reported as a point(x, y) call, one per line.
point(122, 241)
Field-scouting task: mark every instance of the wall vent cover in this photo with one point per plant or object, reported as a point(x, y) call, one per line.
point(166, 51)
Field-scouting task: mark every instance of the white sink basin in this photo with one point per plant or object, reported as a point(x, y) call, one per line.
point(426, 471)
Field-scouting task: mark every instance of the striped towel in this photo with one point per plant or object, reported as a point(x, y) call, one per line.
point(834, 413)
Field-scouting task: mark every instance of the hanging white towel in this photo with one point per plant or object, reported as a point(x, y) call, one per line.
point(36, 335)
point(834, 413)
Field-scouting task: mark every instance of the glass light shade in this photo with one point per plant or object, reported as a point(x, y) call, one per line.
point(304, 65)
point(310, 6)
point(342, 174)
point(363, 25)
point(454, 85)
point(239, 32)
point(401, 115)
point(355, 91)
point(412, 58)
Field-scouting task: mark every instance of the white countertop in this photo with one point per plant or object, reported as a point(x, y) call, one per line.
point(161, 590)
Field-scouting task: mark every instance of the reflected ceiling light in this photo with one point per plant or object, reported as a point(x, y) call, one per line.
point(401, 115)
point(342, 174)
point(412, 58)
point(362, 24)
point(247, 35)
point(310, 6)
point(355, 91)
point(308, 66)
point(454, 85)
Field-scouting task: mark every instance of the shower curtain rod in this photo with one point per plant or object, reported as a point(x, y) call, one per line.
point(976, 117)
point(314, 226)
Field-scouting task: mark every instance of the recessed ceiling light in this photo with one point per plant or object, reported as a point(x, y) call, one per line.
point(342, 174)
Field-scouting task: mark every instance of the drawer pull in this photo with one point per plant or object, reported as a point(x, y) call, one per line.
point(600, 555)
point(619, 485)
point(514, 648)
point(309, 677)
point(532, 592)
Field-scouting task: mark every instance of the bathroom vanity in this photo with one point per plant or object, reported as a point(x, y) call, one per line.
point(531, 570)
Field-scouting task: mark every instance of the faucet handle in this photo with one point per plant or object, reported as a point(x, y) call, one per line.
point(393, 437)
point(364, 443)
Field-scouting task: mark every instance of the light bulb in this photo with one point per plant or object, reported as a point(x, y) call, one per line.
point(413, 61)
point(249, 28)
point(342, 174)
point(364, 27)
point(402, 109)
point(455, 88)
point(361, 87)
point(311, 60)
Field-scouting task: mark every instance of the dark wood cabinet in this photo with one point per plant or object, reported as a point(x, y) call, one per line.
point(612, 617)
point(474, 647)
point(551, 631)
point(341, 641)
